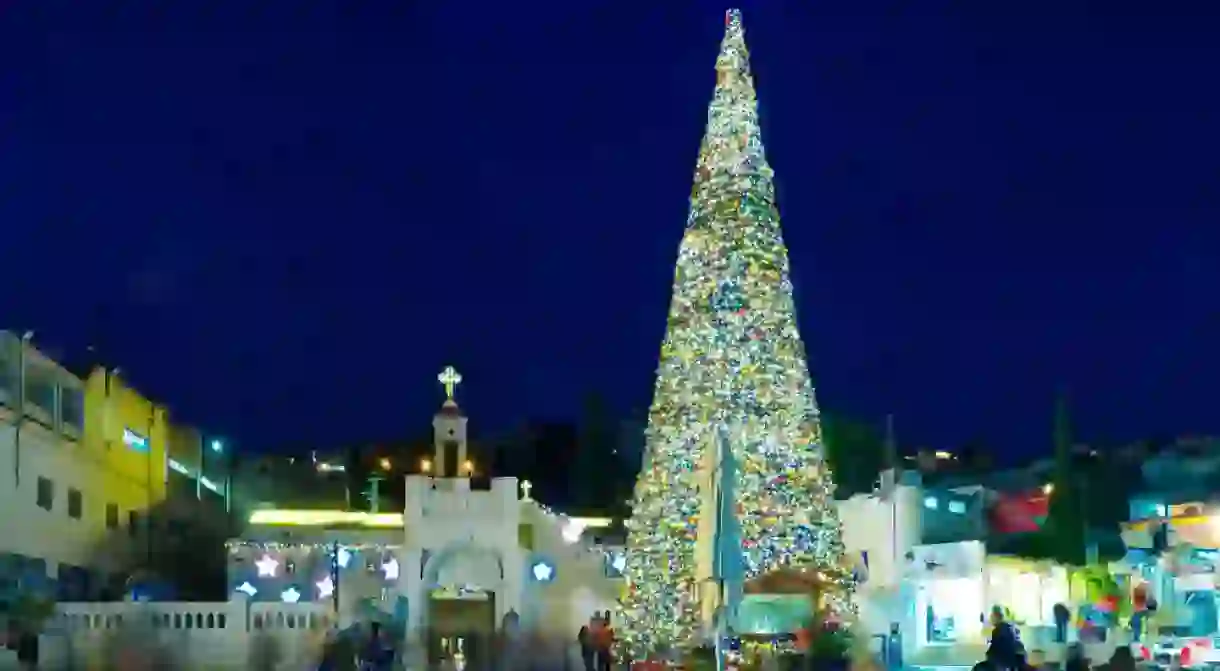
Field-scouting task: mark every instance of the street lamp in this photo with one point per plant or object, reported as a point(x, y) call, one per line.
point(386, 464)
point(425, 465)
point(217, 446)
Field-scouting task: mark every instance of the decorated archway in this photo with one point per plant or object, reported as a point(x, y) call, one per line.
point(462, 584)
point(464, 564)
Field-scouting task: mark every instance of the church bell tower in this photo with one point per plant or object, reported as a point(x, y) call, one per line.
point(449, 432)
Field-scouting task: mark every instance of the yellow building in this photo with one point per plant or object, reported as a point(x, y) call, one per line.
point(127, 435)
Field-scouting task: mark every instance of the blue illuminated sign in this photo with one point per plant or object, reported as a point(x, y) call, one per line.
point(135, 441)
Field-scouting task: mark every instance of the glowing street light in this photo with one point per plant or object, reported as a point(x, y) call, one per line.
point(425, 465)
point(386, 464)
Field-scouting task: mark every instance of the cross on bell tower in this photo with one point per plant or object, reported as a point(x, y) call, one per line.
point(450, 379)
point(449, 431)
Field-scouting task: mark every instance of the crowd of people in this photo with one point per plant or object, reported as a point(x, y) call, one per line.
point(367, 650)
point(1006, 653)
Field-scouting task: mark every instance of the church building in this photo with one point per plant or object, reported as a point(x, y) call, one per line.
point(456, 566)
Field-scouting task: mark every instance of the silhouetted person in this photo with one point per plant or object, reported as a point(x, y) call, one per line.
point(1062, 617)
point(604, 642)
point(1004, 652)
point(1122, 659)
point(587, 652)
point(1075, 659)
point(376, 654)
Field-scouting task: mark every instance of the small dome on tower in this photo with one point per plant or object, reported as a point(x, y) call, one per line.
point(451, 409)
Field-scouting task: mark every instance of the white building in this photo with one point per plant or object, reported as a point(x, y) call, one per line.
point(940, 593)
point(457, 565)
point(50, 527)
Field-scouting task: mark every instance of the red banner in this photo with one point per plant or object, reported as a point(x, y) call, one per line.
point(1019, 513)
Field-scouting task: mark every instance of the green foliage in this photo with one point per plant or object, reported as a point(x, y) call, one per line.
point(856, 452)
point(831, 644)
point(600, 479)
point(701, 658)
point(1065, 524)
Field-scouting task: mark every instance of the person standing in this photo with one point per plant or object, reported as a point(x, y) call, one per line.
point(585, 639)
point(1062, 617)
point(1004, 651)
point(604, 642)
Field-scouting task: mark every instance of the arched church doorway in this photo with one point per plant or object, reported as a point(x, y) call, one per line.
point(461, 583)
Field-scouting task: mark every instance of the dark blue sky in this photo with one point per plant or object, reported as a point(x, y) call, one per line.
point(284, 221)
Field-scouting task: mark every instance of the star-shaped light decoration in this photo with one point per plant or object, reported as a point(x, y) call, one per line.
point(619, 562)
point(247, 589)
point(326, 587)
point(344, 557)
point(543, 572)
point(290, 595)
point(267, 566)
point(391, 569)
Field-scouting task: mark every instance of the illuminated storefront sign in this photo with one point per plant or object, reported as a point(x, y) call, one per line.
point(134, 440)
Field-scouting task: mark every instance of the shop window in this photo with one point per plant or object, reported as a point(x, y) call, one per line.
point(75, 503)
point(46, 493)
point(958, 507)
point(948, 610)
point(112, 516)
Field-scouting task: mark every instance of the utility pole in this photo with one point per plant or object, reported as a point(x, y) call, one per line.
point(891, 488)
point(148, 485)
point(19, 414)
point(891, 443)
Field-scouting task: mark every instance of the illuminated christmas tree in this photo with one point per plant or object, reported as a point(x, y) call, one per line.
point(732, 375)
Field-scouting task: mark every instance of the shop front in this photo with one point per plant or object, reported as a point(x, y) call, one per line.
point(1027, 591)
point(948, 593)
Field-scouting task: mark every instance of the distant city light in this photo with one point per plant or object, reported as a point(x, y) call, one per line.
point(324, 518)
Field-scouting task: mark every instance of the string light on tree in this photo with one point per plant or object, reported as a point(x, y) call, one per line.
point(732, 368)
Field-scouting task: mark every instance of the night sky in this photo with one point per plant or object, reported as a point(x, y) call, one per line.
point(283, 221)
